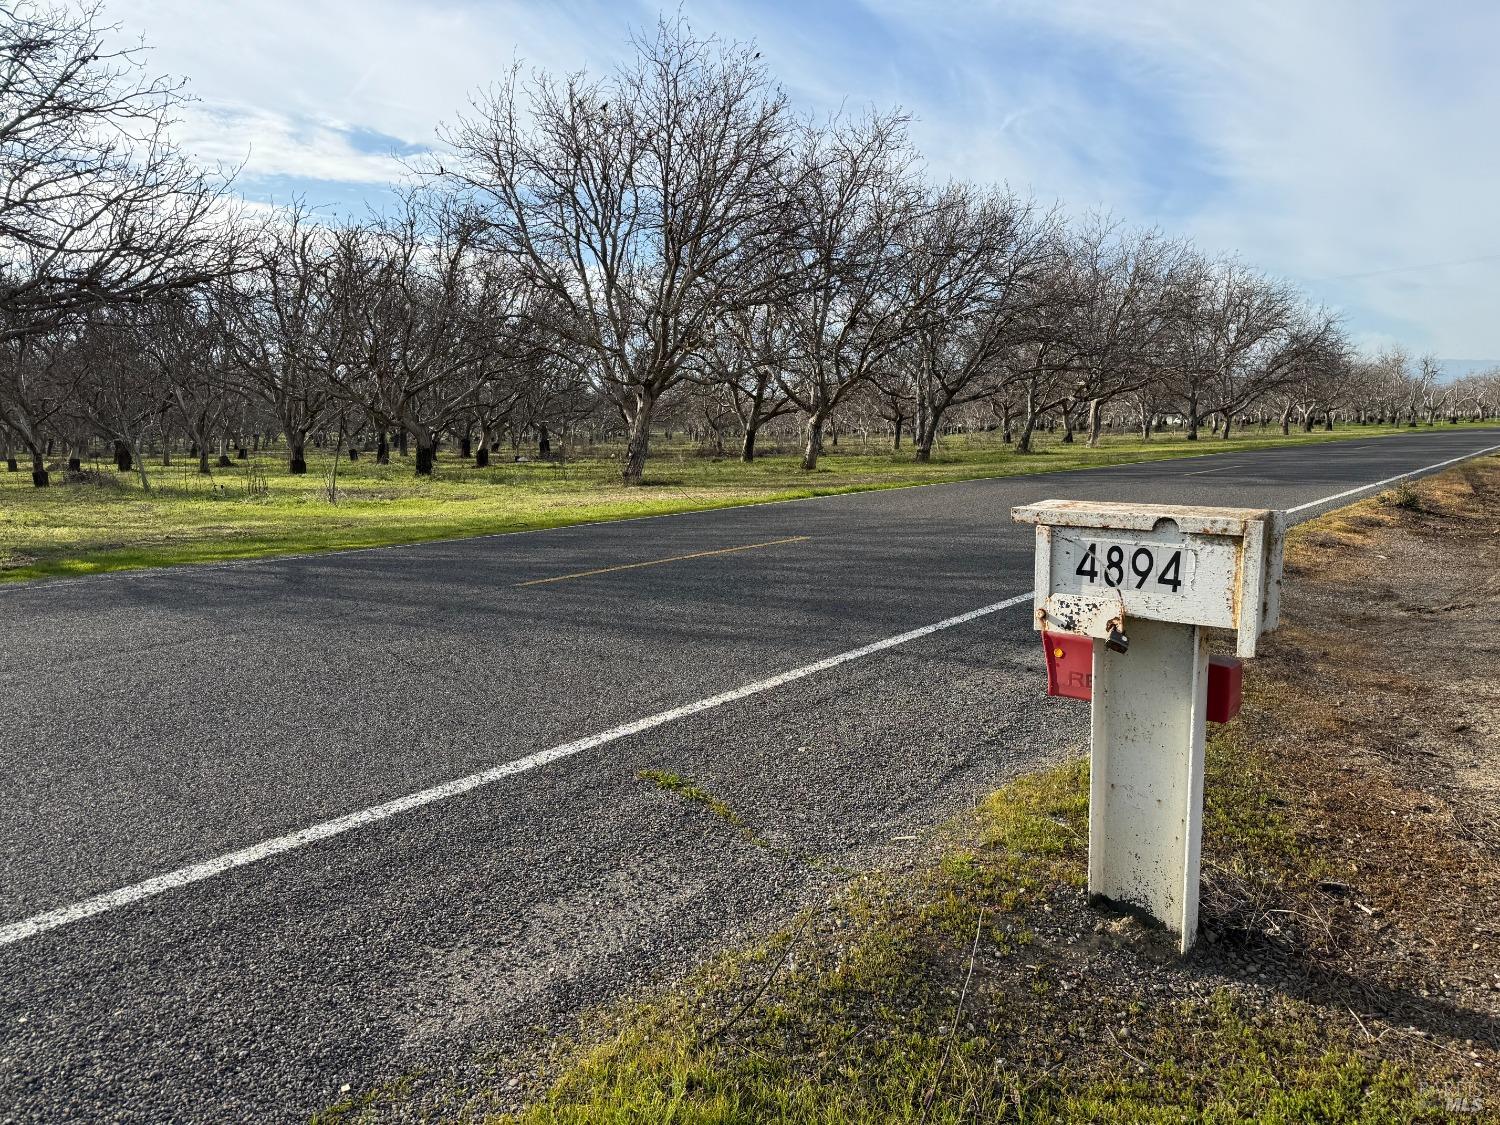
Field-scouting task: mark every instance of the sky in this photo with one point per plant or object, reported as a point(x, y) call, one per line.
point(1347, 145)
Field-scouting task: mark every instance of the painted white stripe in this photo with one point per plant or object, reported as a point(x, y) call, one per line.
point(1388, 480)
point(197, 872)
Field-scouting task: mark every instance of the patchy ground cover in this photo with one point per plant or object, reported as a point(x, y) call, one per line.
point(104, 521)
point(1349, 968)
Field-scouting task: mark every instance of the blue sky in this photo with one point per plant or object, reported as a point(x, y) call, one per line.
point(1349, 146)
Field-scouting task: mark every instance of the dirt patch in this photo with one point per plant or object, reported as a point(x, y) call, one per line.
point(1378, 709)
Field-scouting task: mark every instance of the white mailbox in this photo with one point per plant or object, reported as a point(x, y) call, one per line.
point(1215, 567)
point(1146, 581)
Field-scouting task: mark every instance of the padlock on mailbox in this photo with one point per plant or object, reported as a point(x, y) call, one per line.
point(1070, 674)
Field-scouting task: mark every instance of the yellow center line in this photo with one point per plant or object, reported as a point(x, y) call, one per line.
point(659, 562)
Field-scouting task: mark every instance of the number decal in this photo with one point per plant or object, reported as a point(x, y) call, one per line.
point(1122, 562)
point(1114, 565)
point(1171, 574)
point(1088, 566)
point(1142, 562)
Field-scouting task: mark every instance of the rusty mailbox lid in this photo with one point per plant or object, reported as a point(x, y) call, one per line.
point(1100, 563)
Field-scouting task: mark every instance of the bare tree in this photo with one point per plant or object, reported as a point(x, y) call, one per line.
point(644, 203)
point(1127, 289)
point(283, 318)
point(854, 212)
point(96, 204)
point(1233, 344)
point(117, 389)
point(35, 394)
point(422, 318)
point(977, 263)
point(745, 352)
point(181, 336)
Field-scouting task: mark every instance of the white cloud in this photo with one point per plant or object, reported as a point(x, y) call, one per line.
point(1331, 142)
point(1349, 139)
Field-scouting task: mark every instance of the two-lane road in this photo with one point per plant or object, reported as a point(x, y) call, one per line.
point(270, 828)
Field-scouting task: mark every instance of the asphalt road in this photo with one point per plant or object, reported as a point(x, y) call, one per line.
point(155, 720)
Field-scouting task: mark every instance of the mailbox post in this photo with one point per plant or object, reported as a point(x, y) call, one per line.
point(1145, 581)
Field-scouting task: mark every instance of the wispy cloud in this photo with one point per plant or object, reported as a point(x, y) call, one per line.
point(1343, 144)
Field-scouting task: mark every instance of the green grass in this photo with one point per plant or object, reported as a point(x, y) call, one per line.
point(73, 529)
point(690, 790)
point(849, 1015)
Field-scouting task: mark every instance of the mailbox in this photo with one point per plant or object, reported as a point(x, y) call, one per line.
point(1124, 595)
point(1101, 563)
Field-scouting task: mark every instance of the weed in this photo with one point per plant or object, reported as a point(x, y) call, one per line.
point(1404, 496)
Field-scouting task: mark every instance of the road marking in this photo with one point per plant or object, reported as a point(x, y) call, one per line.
point(1205, 472)
point(197, 872)
point(1389, 480)
point(661, 562)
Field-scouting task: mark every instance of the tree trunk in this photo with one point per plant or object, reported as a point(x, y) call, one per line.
point(426, 454)
point(382, 448)
point(139, 455)
point(1096, 422)
point(1027, 429)
point(639, 445)
point(897, 446)
point(482, 454)
point(544, 441)
point(465, 447)
point(401, 439)
point(296, 443)
point(927, 436)
point(40, 478)
point(122, 457)
point(747, 447)
point(1286, 422)
point(814, 443)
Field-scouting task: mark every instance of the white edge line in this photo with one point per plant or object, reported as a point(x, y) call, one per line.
point(1389, 480)
point(197, 872)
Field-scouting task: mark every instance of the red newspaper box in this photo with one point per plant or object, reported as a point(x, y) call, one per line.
point(1070, 665)
point(1226, 679)
point(1070, 674)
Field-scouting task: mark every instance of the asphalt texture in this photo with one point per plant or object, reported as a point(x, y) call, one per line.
point(158, 718)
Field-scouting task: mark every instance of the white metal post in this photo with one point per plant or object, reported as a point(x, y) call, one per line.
point(1146, 781)
point(1149, 579)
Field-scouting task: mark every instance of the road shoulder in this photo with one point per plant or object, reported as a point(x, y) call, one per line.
point(1351, 886)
